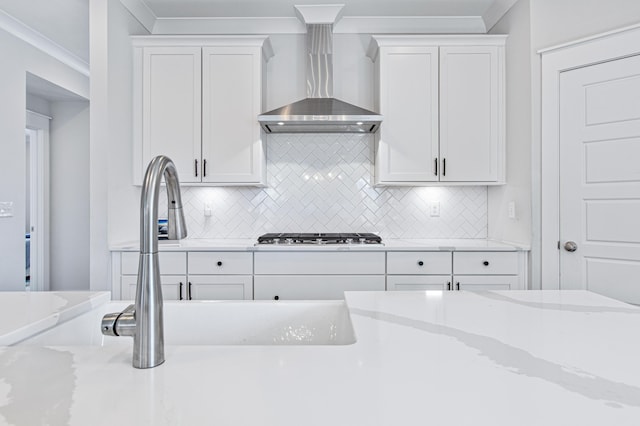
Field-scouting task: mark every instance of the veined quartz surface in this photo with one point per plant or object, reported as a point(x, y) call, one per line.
point(421, 358)
point(25, 313)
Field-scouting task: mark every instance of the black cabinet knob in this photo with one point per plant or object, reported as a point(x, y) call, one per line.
point(485, 263)
point(420, 263)
point(219, 263)
point(276, 297)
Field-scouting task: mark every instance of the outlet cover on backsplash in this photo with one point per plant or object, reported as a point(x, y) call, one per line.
point(322, 183)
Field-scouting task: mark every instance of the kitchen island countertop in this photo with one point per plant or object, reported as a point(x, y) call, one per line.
point(442, 358)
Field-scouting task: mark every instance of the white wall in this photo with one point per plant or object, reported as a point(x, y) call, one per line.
point(69, 186)
point(18, 58)
point(559, 21)
point(113, 201)
point(518, 131)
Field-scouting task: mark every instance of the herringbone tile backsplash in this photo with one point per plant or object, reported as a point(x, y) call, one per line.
point(323, 183)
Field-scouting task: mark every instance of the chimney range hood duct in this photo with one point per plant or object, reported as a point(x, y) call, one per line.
point(320, 112)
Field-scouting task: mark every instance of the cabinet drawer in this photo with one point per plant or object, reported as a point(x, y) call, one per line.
point(171, 262)
point(486, 282)
point(485, 263)
point(333, 263)
point(173, 287)
point(220, 263)
point(419, 263)
point(220, 287)
point(418, 282)
point(314, 287)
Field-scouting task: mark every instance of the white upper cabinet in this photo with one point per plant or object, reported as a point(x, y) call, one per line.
point(442, 99)
point(197, 100)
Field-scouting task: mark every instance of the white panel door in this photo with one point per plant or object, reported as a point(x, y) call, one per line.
point(469, 113)
point(220, 287)
point(231, 102)
point(407, 148)
point(600, 179)
point(171, 108)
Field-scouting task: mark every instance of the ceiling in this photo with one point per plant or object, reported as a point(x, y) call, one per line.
point(285, 8)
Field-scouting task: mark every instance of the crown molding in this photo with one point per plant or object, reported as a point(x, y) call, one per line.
point(231, 26)
point(410, 25)
point(141, 11)
point(497, 10)
point(36, 39)
point(347, 25)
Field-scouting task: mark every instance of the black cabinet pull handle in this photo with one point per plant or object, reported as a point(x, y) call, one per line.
point(435, 160)
point(444, 167)
point(449, 286)
point(420, 263)
point(219, 263)
point(276, 297)
point(189, 292)
point(204, 168)
point(180, 294)
point(485, 263)
point(195, 167)
point(457, 286)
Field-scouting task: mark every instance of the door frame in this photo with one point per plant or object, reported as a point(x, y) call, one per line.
point(39, 194)
point(600, 48)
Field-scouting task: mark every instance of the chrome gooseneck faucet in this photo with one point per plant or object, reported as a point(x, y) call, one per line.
point(144, 319)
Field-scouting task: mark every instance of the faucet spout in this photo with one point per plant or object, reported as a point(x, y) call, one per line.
point(145, 321)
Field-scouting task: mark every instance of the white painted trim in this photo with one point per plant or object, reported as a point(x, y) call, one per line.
point(37, 114)
point(588, 39)
point(206, 41)
point(410, 25)
point(319, 13)
point(141, 11)
point(346, 25)
point(584, 52)
point(228, 26)
point(496, 11)
point(34, 38)
point(40, 163)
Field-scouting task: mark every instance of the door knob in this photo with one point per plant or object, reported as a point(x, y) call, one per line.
point(570, 246)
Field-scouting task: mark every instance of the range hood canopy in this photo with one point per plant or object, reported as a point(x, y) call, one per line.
point(320, 112)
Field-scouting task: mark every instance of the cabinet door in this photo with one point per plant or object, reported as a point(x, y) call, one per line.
point(171, 108)
point(313, 287)
point(232, 150)
point(220, 287)
point(418, 282)
point(470, 113)
point(485, 282)
point(407, 142)
point(173, 287)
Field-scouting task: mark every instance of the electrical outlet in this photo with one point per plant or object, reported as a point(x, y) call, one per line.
point(511, 209)
point(207, 210)
point(435, 209)
point(6, 209)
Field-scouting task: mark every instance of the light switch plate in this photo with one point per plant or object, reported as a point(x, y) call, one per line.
point(511, 207)
point(6, 209)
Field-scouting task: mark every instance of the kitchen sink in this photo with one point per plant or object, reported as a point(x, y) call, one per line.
point(248, 322)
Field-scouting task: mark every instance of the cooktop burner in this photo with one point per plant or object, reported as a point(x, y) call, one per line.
point(320, 238)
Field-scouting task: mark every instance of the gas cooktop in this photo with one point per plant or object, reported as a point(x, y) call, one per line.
point(320, 238)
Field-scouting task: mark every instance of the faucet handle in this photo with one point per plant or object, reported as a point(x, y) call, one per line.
point(120, 323)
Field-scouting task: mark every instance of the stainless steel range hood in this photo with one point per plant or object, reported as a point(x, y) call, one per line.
point(320, 112)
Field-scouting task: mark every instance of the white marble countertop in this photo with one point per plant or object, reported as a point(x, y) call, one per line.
point(421, 358)
point(26, 313)
point(391, 244)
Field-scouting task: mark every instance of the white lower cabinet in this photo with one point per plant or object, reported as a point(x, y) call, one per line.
point(173, 287)
point(173, 274)
point(320, 275)
point(418, 282)
point(487, 271)
point(220, 287)
point(321, 287)
point(313, 275)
